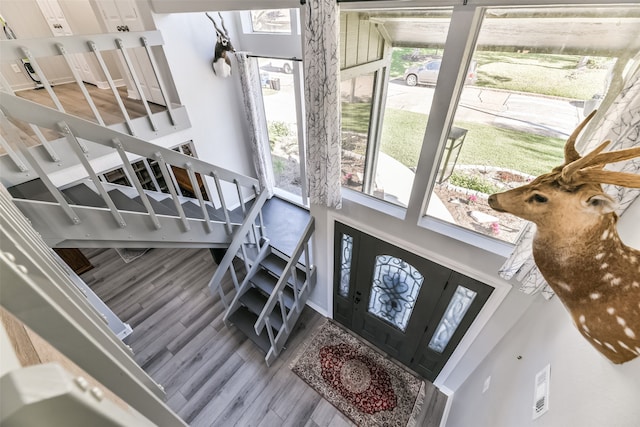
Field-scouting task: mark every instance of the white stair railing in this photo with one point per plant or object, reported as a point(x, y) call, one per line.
point(40, 50)
point(83, 138)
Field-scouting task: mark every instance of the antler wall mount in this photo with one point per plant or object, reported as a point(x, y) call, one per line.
point(577, 247)
point(221, 63)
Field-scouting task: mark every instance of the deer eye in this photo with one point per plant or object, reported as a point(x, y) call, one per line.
point(538, 198)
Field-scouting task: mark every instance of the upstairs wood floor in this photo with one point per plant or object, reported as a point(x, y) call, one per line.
point(213, 375)
point(74, 102)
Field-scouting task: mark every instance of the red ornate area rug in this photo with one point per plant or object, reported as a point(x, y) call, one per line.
point(364, 385)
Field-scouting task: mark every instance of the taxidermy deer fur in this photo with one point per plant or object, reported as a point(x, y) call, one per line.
point(577, 248)
point(221, 63)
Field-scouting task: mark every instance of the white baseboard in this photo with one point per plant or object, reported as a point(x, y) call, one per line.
point(319, 309)
point(105, 84)
point(447, 406)
point(132, 94)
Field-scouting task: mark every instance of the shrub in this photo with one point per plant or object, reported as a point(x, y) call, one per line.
point(473, 183)
point(278, 130)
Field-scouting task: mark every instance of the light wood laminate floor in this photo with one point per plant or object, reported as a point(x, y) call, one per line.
point(213, 375)
point(74, 102)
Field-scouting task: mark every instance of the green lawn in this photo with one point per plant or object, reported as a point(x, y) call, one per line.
point(544, 74)
point(403, 132)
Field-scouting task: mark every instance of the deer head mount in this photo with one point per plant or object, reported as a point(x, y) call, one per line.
point(577, 248)
point(221, 63)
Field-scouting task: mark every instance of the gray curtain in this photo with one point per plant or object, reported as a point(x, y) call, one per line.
point(254, 111)
point(322, 85)
point(620, 123)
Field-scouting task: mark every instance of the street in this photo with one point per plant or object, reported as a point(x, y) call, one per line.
point(540, 115)
point(528, 113)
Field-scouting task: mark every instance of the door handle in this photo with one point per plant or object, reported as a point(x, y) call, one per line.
point(356, 300)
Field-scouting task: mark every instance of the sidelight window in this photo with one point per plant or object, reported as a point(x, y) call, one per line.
point(452, 317)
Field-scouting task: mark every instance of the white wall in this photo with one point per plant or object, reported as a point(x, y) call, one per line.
point(586, 389)
point(214, 104)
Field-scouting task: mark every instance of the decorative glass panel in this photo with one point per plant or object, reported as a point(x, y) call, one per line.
point(395, 287)
point(456, 310)
point(345, 265)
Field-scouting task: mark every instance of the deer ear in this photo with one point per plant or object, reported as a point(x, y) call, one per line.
point(601, 203)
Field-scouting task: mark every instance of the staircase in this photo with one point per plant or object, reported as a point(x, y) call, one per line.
point(268, 300)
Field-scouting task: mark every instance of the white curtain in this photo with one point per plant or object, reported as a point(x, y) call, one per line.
point(257, 121)
point(620, 124)
point(322, 100)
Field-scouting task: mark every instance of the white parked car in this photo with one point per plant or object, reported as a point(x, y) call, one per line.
point(280, 64)
point(427, 73)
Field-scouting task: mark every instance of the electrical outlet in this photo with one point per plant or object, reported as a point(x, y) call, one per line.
point(15, 68)
point(487, 382)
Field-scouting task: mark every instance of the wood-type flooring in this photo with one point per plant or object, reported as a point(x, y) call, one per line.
point(212, 374)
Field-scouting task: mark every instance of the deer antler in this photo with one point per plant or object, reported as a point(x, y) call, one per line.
point(598, 176)
point(214, 22)
point(222, 22)
point(589, 168)
point(570, 152)
point(569, 170)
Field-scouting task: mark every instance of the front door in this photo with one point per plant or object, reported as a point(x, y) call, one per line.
point(411, 308)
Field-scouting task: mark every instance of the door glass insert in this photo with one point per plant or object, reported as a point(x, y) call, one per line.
point(345, 264)
point(452, 317)
point(394, 290)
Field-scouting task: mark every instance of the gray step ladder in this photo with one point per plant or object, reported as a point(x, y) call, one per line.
point(272, 295)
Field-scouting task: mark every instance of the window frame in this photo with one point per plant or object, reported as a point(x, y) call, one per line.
point(464, 29)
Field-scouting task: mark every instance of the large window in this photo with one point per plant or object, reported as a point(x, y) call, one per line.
point(462, 107)
point(271, 21)
point(384, 113)
point(537, 73)
point(278, 81)
point(356, 95)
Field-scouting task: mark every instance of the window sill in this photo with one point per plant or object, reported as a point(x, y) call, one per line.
point(466, 236)
point(374, 203)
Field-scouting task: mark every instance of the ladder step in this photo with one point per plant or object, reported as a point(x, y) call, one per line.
point(123, 202)
point(255, 301)
point(276, 265)
point(244, 320)
point(267, 282)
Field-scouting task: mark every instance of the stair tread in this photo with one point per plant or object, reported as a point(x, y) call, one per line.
point(255, 301)
point(244, 320)
point(215, 214)
point(84, 196)
point(124, 202)
point(276, 265)
point(191, 210)
point(159, 207)
point(266, 282)
point(33, 190)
